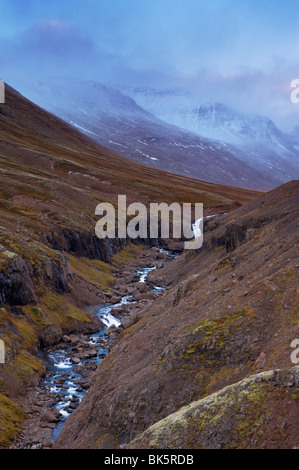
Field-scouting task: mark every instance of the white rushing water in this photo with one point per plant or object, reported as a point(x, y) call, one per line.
point(105, 315)
point(144, 272)
point(197, 227)
point(60, 360)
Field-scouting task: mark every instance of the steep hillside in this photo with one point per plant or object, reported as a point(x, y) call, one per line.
point(230, 311)
point(116, 121)
point(51, 263)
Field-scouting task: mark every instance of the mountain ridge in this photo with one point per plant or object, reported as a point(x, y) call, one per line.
point(253, 139)
point(117, 122)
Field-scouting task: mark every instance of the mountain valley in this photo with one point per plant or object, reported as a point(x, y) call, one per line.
point(52, 264)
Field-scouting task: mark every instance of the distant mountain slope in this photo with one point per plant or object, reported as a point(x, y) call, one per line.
point(35, 142)
point(262, 144)
point(251, 138)
point(116, 121)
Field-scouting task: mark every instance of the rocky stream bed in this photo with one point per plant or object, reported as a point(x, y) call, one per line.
point(70, 365)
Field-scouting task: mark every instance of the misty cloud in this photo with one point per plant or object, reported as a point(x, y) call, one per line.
point(55, 38)
point(47, 47)
point(238, 53)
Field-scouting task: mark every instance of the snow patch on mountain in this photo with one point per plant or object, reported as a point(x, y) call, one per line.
point(252, 138)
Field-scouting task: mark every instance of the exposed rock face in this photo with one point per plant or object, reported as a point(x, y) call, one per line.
point(86, 244)
point(43, 266)
point(230, 312)
point(19, 276)
point(16, 286)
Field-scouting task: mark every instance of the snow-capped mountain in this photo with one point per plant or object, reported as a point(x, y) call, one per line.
point(259, 140)
point(251, 138)
point(117, 122)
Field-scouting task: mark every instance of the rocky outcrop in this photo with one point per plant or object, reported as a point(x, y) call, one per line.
point(16, 285)
point(85, 244)
point(35, 266)
point(259, 412)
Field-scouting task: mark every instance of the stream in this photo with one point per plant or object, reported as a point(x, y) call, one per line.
point(63, 378)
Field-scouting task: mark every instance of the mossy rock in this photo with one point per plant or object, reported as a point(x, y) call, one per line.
point(261, 411)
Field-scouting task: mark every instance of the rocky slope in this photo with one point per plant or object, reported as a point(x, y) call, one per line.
point(231, 310)
point(51, 263)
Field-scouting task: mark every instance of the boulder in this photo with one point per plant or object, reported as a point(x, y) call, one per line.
point(142, 287)
point(145, 296)
point(261, 361)
point(48, 417)
point(115, 299)
point(66, 339)
point(74, 339)
point(92, 353)
point(131, 290)
point(117, 310)
point(129, 321)
point(110, 331)
point(50, 336)
point(75, 360)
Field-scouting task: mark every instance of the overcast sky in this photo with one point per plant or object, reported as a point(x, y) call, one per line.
point(243, 53)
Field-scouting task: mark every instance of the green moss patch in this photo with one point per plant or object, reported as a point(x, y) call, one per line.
point(94, 272)
point(11, 419)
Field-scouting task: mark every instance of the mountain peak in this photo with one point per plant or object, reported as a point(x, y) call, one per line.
point(215, 107)
point(222, 114)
